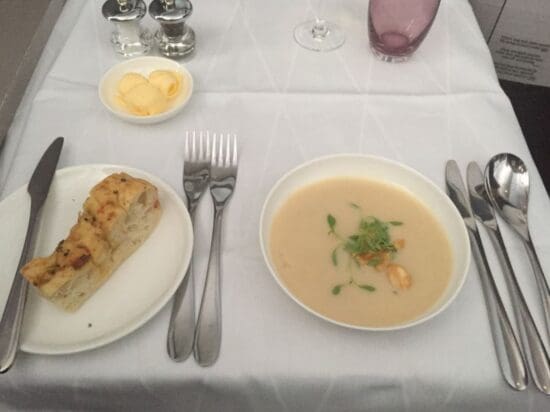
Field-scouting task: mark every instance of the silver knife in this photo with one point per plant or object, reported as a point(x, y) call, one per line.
point(38, 188)
point(511, 361)
point(537, 357)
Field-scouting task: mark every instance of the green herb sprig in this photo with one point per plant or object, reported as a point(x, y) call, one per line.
point(373, 236)
point(372, 239)
point(331, 220)
point(338, 288)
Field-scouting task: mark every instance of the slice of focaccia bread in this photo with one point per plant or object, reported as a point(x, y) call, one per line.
point(115, 220)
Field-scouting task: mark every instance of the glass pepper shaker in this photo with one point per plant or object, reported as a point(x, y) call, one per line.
point(129, 39)
point(175, 38)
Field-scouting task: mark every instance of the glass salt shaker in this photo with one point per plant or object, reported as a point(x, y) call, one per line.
point(129, 39)
point(175, 38)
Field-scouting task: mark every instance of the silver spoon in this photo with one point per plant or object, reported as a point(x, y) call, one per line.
point(507, 183)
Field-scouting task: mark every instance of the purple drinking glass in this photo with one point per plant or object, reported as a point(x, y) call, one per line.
point(397, 27)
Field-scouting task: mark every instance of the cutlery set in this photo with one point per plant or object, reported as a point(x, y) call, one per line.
point(505, 188)
point(203, 168)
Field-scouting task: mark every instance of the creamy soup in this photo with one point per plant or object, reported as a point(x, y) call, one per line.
point(361, 252)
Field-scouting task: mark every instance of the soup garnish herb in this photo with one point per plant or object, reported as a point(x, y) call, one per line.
point(337, 289)
point(370, 245)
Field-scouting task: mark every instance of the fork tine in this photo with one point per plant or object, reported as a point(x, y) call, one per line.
point(200, 154)
point(203, 154)
point(234, 159)
point(186, 154)
point(194, 146)
point(220, 154)
point(227, 150)
point(214, 141)
point(208, 154)
point(218, 149)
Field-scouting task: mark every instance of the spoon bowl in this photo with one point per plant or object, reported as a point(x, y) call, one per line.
point(507, 184)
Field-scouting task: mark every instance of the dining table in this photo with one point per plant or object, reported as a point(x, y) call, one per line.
point(287, 105)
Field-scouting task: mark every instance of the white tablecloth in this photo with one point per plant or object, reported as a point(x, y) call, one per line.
point(287, 105)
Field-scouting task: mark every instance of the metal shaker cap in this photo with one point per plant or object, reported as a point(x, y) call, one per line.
point(170, 11)
point(124, 10)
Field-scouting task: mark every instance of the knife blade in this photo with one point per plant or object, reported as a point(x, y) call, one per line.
point(12, 318)
point(537, 357)
point(509, 355)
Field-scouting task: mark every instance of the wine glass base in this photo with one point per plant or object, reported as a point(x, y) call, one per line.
point(319, 35)
point(388, 57)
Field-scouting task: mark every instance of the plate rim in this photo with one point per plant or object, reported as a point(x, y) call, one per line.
point(394, 163)
point(157, 306)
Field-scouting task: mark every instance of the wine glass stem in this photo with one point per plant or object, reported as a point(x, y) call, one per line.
point(320, 29)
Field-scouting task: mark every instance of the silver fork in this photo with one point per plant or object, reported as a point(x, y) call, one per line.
point(223, 176)
point(196, 174)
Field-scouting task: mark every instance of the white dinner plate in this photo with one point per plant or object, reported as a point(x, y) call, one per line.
point(136, 291)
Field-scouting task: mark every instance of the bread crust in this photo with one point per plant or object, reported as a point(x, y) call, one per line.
point(117, 217)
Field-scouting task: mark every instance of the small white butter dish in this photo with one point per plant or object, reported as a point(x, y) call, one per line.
point(144, 66)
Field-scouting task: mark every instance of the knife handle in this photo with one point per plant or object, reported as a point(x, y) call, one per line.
point(537, 357)
point(542, 283)
point(12, 318)
point(208, 332)
point(181, 329)
point(511, 361)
